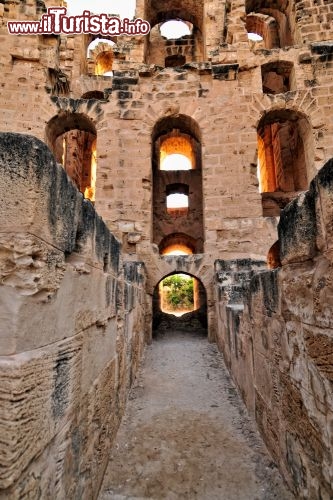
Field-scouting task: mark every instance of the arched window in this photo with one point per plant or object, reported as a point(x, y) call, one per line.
point(177, 244)
point(175, 161)
point(284, 158)
point(72, 138)
point(177, 35)
point(176, 152)
point(100, 57)
point(265, 27)
point(271, 21)
point(178, 294)
point(177, 183)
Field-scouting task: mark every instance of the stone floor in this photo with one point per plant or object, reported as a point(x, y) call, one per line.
point(186, 433)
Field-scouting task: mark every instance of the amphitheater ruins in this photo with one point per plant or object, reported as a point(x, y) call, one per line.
point(128, 159)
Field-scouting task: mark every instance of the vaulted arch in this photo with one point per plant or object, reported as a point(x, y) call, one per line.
point(176, 295)
point(271, 20)
point(175, 50)
point(72, 138)
point(285, 157)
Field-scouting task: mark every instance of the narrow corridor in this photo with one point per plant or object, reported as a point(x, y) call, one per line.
point(186, 433)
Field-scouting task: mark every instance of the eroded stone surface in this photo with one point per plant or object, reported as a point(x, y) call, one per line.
point(62, 278)
point(275, 330)
point(72, 330)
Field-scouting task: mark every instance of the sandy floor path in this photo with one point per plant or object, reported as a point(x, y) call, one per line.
point(186, 433)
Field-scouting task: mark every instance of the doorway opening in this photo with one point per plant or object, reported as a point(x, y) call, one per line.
point(179, 303)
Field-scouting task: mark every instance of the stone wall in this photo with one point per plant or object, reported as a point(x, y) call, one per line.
point(72, 329)
point(275, 330)
point(45, 80)
point(229, 92)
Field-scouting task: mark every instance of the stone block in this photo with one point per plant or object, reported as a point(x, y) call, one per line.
point(296, 289)
point(297, 229)
point(39, 390)
point(324, 206)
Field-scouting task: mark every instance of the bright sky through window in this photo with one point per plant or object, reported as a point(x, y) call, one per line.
point(176, 162)
point(125, 8)
point(177, 252)
point(254, 37)
point(177, 200)
point(174, 29)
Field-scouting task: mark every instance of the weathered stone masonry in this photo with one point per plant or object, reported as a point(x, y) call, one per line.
point(275, 330)
point(76, 307)
point(72, 329)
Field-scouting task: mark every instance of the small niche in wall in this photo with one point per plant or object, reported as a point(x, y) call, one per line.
point(93, 94)
point(277, 77)
point(175, 61)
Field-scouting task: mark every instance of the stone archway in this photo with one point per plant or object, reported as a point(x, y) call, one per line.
point(190, 318)
point(72, 138)
point(285, 152)
point(175, 51)
point(198, 266)
point(272, 22)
